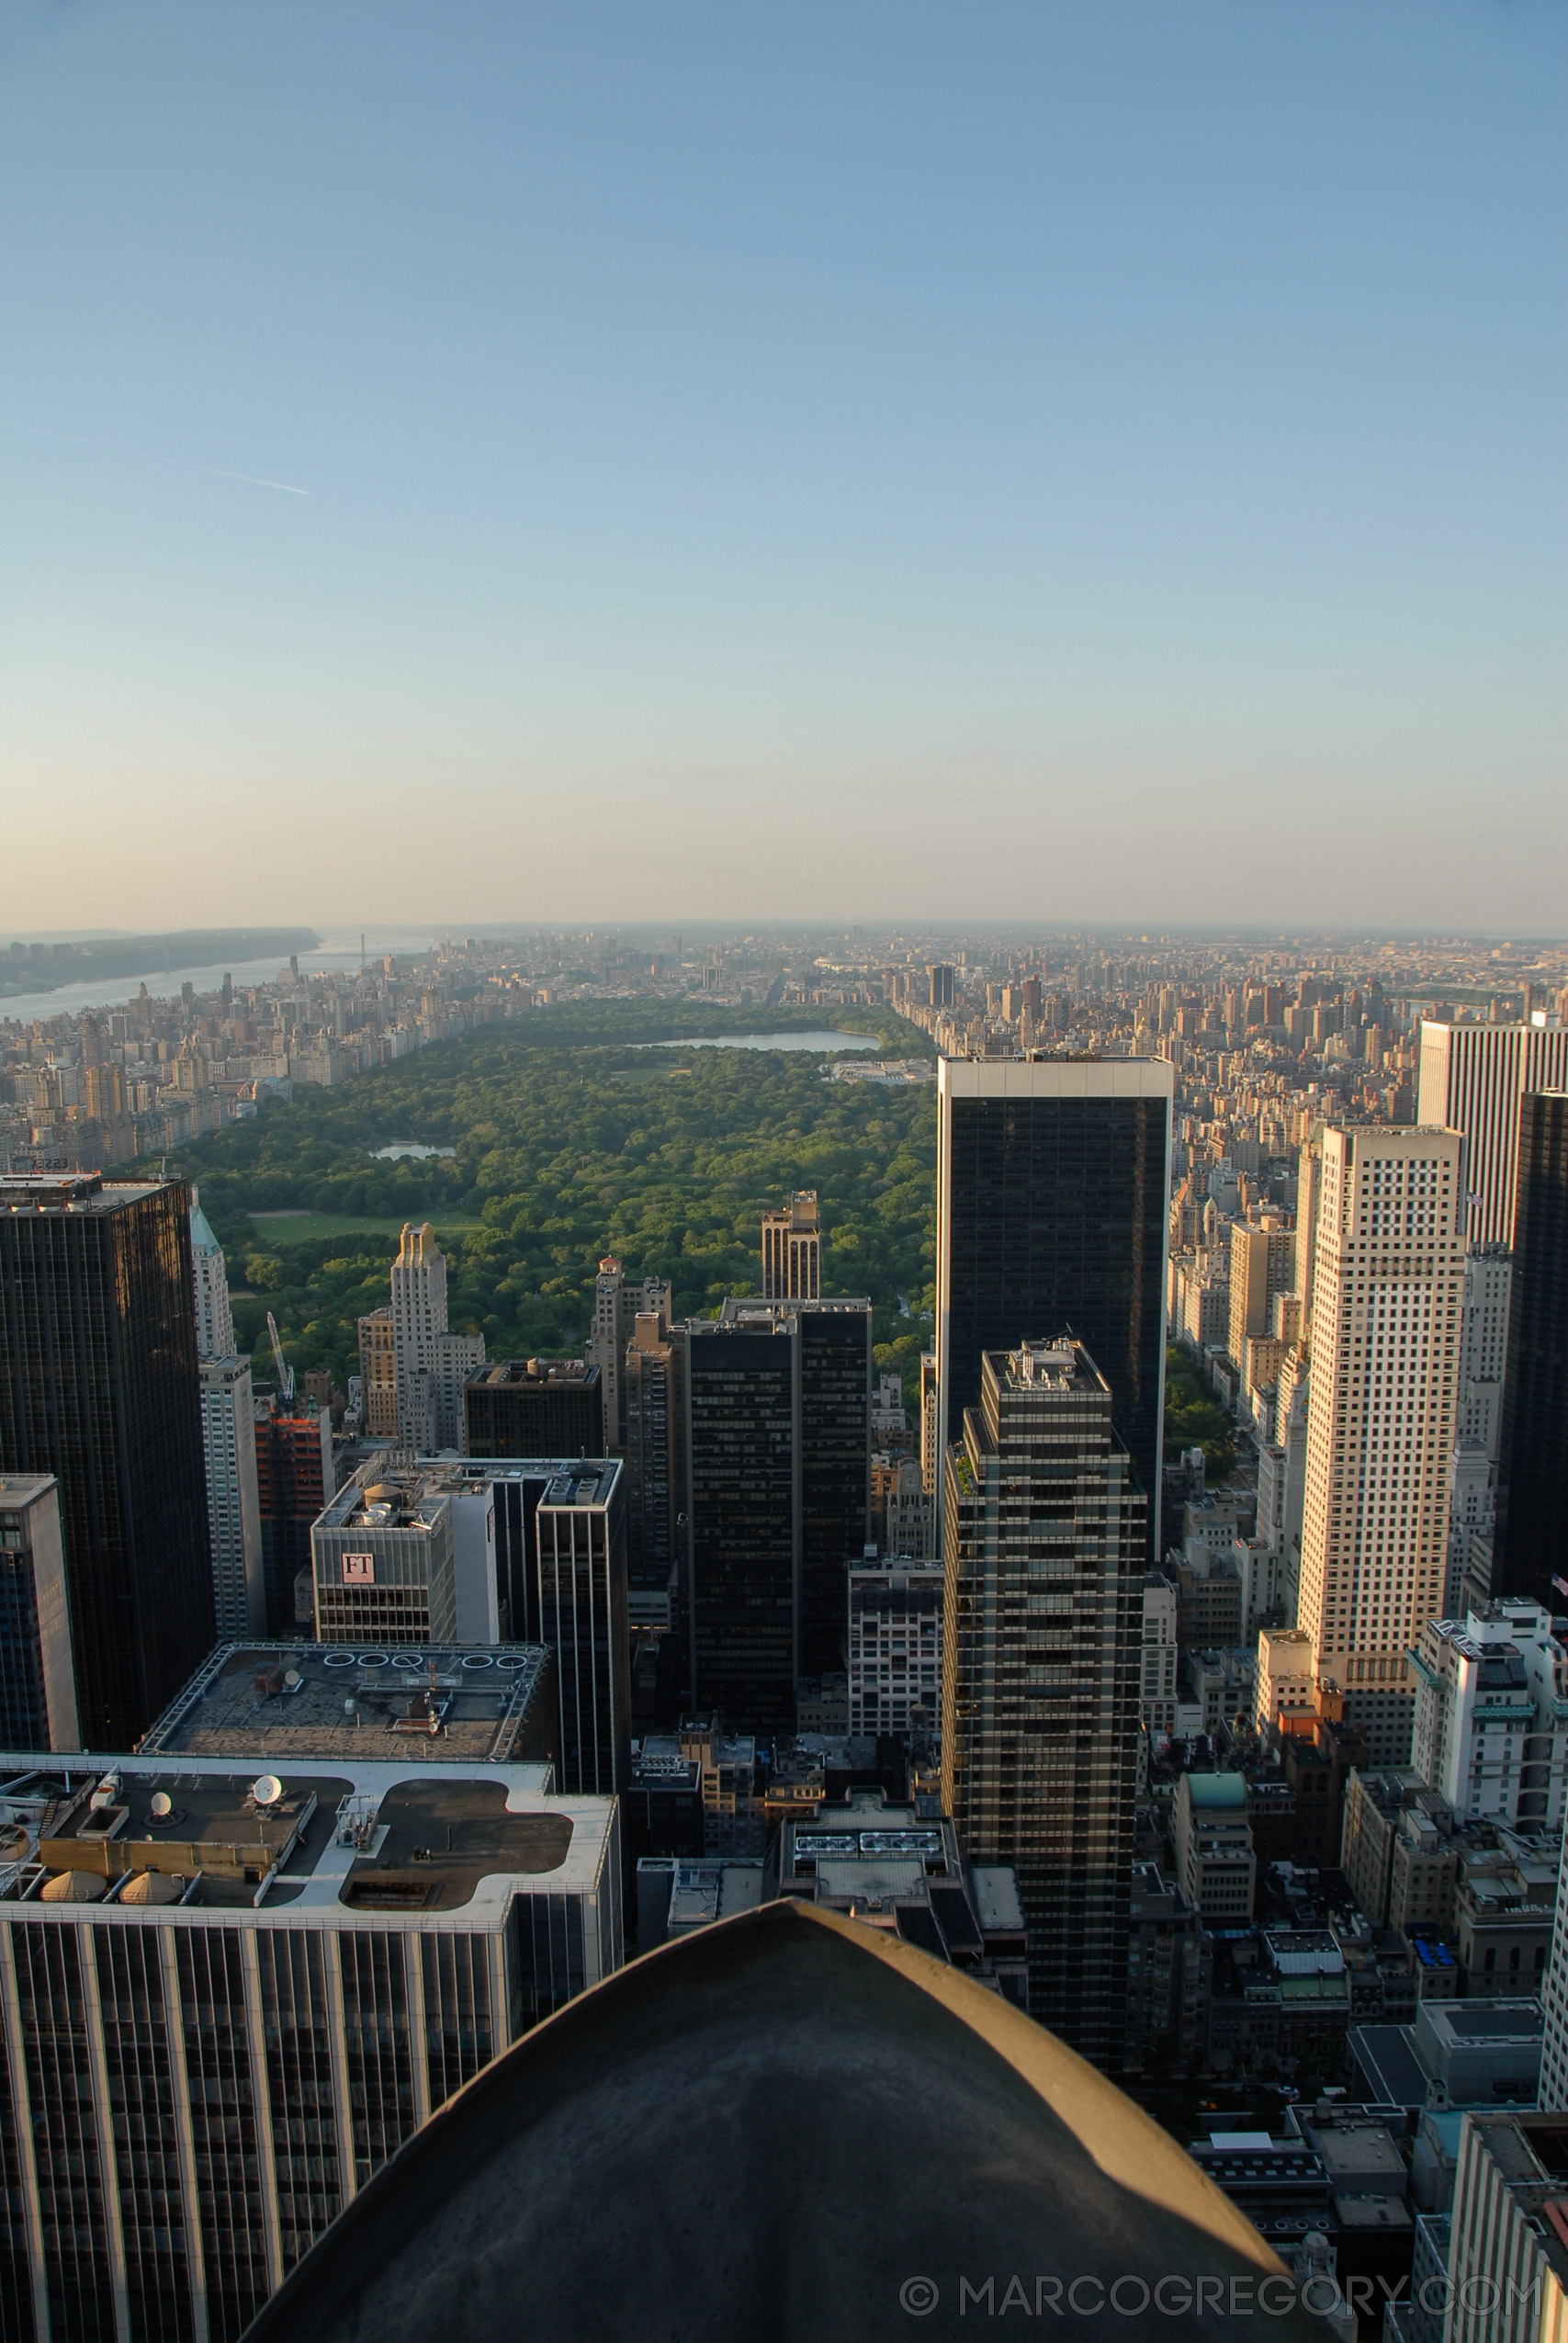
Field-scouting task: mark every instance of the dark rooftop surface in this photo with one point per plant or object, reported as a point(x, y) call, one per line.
point(783, 2125)
point(1386, 2057)
point(443, 1838)
point(75, 1191)
point(494, 1704)
point(215, 1828)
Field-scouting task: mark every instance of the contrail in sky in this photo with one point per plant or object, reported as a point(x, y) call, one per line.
point(180, 463)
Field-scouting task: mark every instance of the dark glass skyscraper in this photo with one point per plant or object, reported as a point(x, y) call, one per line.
point(740, 1531)
point(778, 1427)
point(833, 1471)
point(99, 1386)
point(1532, 1516)
point(1053, 1184)
point(534, 1407)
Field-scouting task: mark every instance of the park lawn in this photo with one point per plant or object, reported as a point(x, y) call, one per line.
point(302, 1227)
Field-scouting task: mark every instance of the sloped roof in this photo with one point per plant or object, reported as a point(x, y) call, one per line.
point(769, 2130)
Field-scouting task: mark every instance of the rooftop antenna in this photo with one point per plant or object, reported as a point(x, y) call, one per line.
point(285, 1372)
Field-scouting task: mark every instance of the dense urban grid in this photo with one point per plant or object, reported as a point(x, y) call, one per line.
point(1051, 1445)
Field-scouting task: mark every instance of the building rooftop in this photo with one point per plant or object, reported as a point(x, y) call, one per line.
point(1041, 1363)
point(997, 1899)
point(749, 1311)
point(1212, 1793)
point(1358, 2149)
point(75, 1191)
point(588, 1482)
point(382, 1497)
point(528, 1373)
point(702, 1893)
point(1477, 2021)
point(1386, 2058)
point(18, 1491)
point(296, 1843)
point(491, 1705)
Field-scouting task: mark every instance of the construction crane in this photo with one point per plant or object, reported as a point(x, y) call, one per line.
point(285, 1372)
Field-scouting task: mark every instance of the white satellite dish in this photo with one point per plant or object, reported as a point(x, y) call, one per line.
point(163, 1805)
point(267, 1790)
point(291, 1679)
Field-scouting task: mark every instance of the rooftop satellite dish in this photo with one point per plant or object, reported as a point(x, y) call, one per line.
point(291, 1678)
point(163, 1805)
point(267, 1790)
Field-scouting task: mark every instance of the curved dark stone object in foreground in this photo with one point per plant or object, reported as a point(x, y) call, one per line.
point(787, 2126)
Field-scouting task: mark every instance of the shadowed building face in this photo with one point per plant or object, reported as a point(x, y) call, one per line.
point(1053, 1184)
point(787, 2126)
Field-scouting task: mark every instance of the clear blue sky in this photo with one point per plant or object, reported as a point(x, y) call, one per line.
point(1073, 458)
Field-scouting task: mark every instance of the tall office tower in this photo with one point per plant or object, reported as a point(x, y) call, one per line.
point(233, 1497)
point(1043, 1635)
point(792, 1249)
point(1506, 2278)
point(235, 1988)
point(1473, 1079)
point(295, 1476)
point(1263, 1265)
point(1484, 1344)
point(1532, 1516)
point(778, 1492)
point(215, 1336)
point(37, 1680)
point(432, 1365)
point(617, 1305)
point(496, 1505)
point(383, 1556)
point(99, 1386)
point(654, 1385)
point(456, 1359)
point(580, 1531)
point(534, 1407)
point(1390, 1281)
point(1309, 1196)
point(939, 984)
point(930, 1455)
point(1053, 1199)
point(228, 1444)
point(379, 1374)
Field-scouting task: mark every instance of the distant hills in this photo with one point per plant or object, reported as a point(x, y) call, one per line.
point(40, 967)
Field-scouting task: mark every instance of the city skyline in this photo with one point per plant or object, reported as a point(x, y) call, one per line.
point(1132, 432)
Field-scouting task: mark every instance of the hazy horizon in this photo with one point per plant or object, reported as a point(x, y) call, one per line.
point(1085, 466)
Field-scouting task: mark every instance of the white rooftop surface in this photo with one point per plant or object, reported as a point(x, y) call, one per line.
point(995, 1895)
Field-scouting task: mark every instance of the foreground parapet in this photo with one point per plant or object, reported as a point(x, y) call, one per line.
point(787, 2126)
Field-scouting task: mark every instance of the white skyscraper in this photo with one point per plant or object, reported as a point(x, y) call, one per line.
point(228, 1440)
point(1554, 2006)
point(1484, 1344)
point(617, 1305)
point(432, 1363)
point(1472, 1078)
point(1388, 1286)
point(214, 1319)
point(1492, 1714)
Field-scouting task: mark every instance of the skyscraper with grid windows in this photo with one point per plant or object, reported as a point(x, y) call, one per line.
point(1385, 1364)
